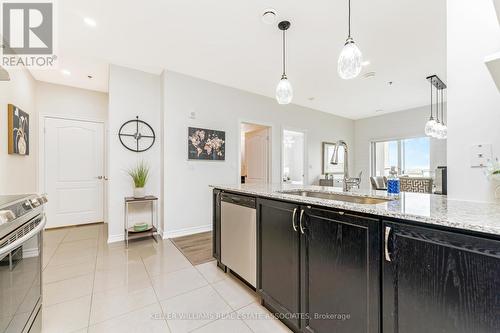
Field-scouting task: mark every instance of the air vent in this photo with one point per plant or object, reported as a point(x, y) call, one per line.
point(19, 232)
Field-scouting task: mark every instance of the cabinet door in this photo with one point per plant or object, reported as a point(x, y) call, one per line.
point(340, 272)
point(438, 281)
point(279, 259)
point(216, 224)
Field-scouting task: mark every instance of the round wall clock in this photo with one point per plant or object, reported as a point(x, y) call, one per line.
point(136, 135)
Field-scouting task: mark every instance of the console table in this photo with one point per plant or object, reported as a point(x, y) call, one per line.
point(130, 233)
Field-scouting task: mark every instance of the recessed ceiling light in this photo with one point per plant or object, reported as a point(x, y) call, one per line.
point(365, 63)
point(311, 98)
point(379, 110)
point(90, 22)
point(66, 72)
point(269, 16)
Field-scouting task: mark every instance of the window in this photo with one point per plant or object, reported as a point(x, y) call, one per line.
point(409, 156)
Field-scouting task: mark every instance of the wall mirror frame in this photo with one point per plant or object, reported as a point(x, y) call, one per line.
point(328, 168)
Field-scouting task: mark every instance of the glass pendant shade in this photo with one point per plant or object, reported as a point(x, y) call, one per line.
point(444, 132)
point(350, 59)
point(284, 91)
point(429, 127)
point(438, 131)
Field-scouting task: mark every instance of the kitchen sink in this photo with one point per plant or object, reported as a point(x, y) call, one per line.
point(338, 197)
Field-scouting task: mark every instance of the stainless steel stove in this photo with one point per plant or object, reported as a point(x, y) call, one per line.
point(21, 237)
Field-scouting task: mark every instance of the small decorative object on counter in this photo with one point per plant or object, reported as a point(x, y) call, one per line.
point(393, 183)
point(140, 175)
point(492, 170)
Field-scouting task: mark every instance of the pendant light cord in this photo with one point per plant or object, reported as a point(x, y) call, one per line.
point(437, 105)
point(442, 107)
point(349, 36)
point(284, 53)
point(432, 104)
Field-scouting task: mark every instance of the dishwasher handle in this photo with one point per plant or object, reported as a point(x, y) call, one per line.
point(239, 200)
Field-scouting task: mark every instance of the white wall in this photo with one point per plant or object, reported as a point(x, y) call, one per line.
point(68, 102)
point(187, 196)
point(18, 174)
point(397, 125)
point(473, 33)
point(131, 93)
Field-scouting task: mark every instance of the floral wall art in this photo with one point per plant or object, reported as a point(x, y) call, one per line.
point(206, 144)
point(18, 131)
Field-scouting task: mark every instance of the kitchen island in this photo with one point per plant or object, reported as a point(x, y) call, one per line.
point(368, 262)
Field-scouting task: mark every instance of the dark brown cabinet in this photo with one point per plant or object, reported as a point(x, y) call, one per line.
point(216, 224)
point(278, 259)
point(438, 281)
point(340, 272)
point(319, 268)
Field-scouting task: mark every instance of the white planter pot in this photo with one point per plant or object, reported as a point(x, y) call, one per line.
point(139, 192)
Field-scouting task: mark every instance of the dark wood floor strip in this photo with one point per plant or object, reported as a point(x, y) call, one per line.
point(197, 248)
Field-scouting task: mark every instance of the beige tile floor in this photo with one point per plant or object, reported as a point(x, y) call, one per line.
point(92, 286)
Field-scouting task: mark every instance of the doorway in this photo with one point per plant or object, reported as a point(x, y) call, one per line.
point(73, 171)
point(255, 153)
point(293, 165)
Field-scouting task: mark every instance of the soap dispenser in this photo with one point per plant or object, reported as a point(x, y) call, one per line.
point(393, 183)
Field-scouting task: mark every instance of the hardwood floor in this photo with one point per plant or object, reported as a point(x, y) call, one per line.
point(196, 248)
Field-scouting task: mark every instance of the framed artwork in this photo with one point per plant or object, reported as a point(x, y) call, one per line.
point(18, 123)
point(329, 168)
point(206, 144)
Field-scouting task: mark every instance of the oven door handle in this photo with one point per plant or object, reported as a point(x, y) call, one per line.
point(18, 242)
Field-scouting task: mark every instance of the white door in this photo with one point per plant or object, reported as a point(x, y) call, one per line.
point(257, 156)
point(74, 170)
point(293, 167)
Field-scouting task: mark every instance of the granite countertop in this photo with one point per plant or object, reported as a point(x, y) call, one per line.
point(419, 207)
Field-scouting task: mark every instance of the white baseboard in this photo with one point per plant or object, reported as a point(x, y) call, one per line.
point(186, 231)
point(116, 238)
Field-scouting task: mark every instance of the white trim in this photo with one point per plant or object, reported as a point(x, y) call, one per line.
point(186, 231)
point(116, 238)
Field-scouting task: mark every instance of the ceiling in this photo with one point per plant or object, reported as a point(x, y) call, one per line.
point(225, 41)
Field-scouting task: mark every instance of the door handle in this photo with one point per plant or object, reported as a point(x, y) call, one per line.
point(99, 177)
point(293, 219)
point(300, 221)
point(386, 245)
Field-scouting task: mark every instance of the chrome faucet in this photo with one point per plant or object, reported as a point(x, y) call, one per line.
point(348, 182)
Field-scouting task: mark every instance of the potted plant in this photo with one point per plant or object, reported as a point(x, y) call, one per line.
point(139, 175)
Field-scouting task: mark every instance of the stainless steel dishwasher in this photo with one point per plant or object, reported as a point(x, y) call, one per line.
point(239, 235)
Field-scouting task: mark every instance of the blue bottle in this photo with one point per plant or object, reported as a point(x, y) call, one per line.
point(393, 184)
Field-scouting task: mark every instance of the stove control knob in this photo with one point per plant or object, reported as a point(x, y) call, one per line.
point(27, 205)
point(35, 203)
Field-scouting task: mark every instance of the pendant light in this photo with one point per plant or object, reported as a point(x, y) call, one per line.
point(284, 90)
point(350, 59)
point(429, 126)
